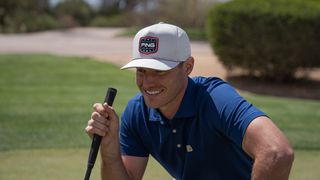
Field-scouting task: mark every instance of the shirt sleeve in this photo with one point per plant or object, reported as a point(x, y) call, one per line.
point(235, 113)
point(130, 142)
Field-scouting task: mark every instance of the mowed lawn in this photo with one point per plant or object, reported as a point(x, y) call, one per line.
point(45, 102)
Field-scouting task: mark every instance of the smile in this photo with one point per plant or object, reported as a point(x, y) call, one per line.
point(153, 92)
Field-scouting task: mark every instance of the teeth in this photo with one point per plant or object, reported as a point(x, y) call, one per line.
point(153, 92)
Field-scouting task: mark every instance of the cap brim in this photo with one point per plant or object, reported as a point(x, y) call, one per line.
point(162, 65)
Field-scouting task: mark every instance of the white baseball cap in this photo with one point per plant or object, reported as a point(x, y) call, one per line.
point(160, 46)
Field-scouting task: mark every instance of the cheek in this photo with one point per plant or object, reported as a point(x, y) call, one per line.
point(138, 81)
point(176, 83)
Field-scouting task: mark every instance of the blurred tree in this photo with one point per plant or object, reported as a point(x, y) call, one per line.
point(129, 5)
point(109, 7)
point(44, 6)
point(11, 12)
point(187, 13)
point(192, 13)
point(116, 12)
point(73, 13)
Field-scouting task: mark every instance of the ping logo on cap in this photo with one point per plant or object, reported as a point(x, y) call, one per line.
point(148, 45)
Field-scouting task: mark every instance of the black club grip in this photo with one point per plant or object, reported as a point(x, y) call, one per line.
point(109, 98)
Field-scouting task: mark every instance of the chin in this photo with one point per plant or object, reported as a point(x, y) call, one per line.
point(150, 104)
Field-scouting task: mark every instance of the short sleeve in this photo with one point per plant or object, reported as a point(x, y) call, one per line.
point(130, 141)
point(235, 113)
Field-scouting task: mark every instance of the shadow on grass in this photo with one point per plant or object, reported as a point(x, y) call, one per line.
point(301, 88)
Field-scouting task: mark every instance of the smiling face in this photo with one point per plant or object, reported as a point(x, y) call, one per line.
point(164, 89)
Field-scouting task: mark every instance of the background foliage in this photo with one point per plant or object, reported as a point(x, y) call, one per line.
point(269, 38)
point(36, 15)
point(25, 16)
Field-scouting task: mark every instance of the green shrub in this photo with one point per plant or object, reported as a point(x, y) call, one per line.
point(109, 21)
point(20, 16)
point(268, 38)
point(73, 13)
point(28, 21)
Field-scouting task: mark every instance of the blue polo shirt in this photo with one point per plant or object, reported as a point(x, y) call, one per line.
point(202, 141)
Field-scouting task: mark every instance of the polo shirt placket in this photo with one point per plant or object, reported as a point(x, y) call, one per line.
point(175, 131)
point(172, 138)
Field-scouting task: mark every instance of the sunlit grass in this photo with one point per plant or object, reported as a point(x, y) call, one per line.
point(52, 164)
point(45, 102)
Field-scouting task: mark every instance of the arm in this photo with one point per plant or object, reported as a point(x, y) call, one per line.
point(133, 166)
point(270, 149)
point(104, 122)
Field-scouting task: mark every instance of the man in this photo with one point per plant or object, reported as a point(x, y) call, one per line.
point(196, 128)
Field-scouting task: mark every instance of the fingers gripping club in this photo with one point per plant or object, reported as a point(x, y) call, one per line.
point(109, 98)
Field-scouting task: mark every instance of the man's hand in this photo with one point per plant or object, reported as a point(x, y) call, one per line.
point(105, 122)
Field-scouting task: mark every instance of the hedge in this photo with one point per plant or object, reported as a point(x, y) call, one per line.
point(268, 38)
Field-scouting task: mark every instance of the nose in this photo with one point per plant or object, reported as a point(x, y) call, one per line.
point(148, 79)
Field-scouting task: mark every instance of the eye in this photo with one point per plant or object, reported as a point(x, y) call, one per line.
point(160, 72)
point(139, 70)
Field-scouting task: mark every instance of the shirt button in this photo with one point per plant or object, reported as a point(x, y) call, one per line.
point(161, 122)
point(174, 131)
point(178, 145)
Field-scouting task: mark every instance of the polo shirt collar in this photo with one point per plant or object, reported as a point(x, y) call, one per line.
point(187, 107)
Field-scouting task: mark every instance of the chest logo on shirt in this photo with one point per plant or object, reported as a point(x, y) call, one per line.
point(189, 148)
point(148, 45)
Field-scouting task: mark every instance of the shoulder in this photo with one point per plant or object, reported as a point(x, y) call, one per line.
point(213, 87)
point(218, 94)
point(207, 81)
point(211, 94)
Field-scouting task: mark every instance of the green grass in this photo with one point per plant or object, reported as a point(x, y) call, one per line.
point(299, 119)
point(45, 102)
point(53, 164)
point(70, 164)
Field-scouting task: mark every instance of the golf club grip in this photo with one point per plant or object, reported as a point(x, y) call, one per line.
point(109, 98)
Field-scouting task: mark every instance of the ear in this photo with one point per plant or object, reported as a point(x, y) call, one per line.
point(188, 65)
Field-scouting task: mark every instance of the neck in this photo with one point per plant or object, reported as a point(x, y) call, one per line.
point(172, 108)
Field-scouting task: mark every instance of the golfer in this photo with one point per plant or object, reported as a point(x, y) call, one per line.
point(196, 128)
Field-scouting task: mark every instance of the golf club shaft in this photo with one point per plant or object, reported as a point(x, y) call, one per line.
point(109, 98)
